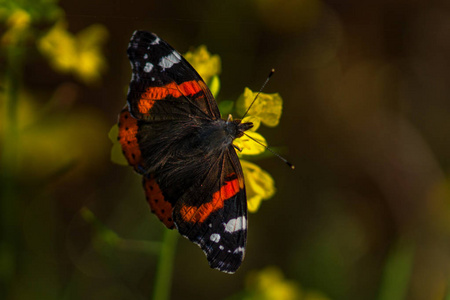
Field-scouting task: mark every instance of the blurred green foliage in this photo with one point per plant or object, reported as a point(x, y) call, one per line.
point(365, 118)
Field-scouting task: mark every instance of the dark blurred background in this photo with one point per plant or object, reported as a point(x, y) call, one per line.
point(366, 120)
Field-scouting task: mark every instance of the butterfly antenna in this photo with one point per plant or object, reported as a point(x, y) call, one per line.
point(260, 90)
point(273, 152)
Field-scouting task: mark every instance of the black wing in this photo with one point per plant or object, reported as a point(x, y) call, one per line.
point(164, 86)
point(212, 213)
point(189, 183)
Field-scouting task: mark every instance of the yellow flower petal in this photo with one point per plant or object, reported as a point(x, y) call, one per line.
point(19, 19)
point(207, 65)
point(214, 85)
point(258, 183)
point(254, 203)
point(249, 146)
point(91, 62)
point(256, 122)
point(58, 45)
point(269, 284)
point(80, 55)
point(17, 27)
point(267, 107)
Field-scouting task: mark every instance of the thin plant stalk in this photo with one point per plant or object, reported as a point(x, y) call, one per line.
point(164, 268)
point(8, 163)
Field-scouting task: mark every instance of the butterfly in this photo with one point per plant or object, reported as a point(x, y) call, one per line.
point(172, 133)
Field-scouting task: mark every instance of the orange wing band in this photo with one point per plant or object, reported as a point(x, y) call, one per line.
point(127, 137)
point(200, 214)
point(153, 94)
point(159, 206)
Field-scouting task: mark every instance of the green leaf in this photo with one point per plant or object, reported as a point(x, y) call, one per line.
point(226, 107)
point(397, 272)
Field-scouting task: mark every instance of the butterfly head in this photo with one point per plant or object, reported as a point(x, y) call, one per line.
point(236, 128)
point(242, 127)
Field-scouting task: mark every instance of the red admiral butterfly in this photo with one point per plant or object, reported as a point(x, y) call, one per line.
point(171, 132)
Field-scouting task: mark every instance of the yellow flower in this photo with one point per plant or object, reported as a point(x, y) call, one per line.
point(19, 19)
point(90, 59)
point(80, 54)
point(247, 143)
point(270, 284)
point(267, 110)
point(204, 63)
point(268, 107)
point(17, 23)
point(259, 185)
point(60, 47)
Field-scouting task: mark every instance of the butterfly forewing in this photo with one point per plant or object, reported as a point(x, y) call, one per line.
point(161, 73)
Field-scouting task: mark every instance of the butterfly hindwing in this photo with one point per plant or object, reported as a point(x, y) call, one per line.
point(159, 204)
point(128, 130)
point(213, 214)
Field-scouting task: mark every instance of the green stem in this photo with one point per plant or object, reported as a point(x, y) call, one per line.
point(397, 271)
point(8, 164)
point(165, 265)
point(447, 293)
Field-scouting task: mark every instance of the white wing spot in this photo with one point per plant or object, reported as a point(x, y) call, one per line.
point(221, 247)
point(156, 41)
point(215, 237)
point(168, 61)
point(148, 67)
point(177, 55)
point(145, 56)
point(239, 223)
point(238, 249)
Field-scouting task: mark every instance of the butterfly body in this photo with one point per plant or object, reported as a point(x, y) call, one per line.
point(172, 134)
